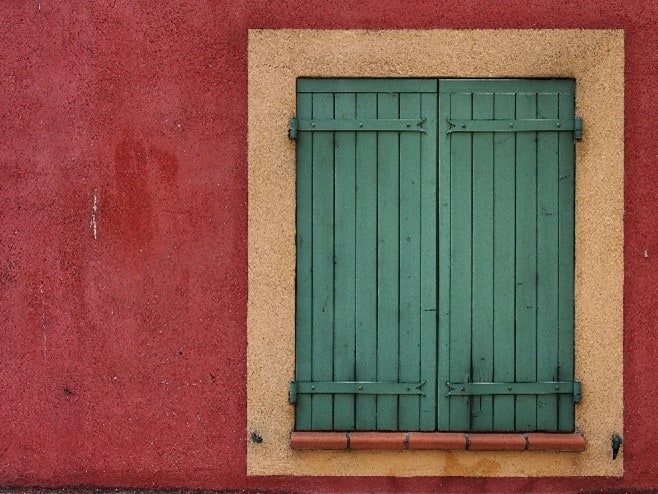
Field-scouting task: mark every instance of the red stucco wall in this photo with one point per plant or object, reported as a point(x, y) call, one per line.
point(122, 355)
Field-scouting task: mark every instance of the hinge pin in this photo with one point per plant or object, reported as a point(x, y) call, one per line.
point(616, 445)
point(578, 128)
point(292, 130)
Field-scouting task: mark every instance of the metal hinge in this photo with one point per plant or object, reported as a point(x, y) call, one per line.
point(578, 128)
point(533, 388)
point(354, 387)
point(617, 441)
point(292, 130)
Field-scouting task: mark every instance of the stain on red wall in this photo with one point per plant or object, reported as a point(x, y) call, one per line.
point(123, 189)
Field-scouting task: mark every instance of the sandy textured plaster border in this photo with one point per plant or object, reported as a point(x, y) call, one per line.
point(595, 58)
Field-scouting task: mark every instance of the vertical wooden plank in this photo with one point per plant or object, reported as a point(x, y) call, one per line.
point(566, 230)
point(344, 263)
point(428, 253)
point(323, 261)
point(547, 261)
point(503, 248)
point(410, 274)
point(366, 261)
point(526, 262)
point(388, 230)
point(304, 281)
point(483, 211)
point(444, 200)
point(460, 259)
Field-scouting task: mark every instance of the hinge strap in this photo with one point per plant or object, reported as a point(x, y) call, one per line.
point(533, 388)
point(518, 125)
point(360, 125)
point(354, 387)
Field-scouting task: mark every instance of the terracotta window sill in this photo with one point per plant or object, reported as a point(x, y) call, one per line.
point(533, 441)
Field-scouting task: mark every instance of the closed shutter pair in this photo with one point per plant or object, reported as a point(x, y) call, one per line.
point(435, 255)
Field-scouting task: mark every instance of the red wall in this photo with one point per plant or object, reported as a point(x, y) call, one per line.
point(122, 357)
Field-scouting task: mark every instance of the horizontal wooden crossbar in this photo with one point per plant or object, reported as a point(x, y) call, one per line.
point(363, 124)
point(354, 387)
point(520, 125)
point(531, 388)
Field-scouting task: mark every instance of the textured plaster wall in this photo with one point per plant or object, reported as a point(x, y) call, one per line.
point(122, 243)
point(276, 58)
point(123, 357)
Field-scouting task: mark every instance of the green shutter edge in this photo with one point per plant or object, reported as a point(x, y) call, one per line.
point(366, 85)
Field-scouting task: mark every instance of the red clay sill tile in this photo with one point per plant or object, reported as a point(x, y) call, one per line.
point(533, 441)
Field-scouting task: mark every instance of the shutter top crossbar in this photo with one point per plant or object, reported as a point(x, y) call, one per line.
point(361, 124)
point(515, 125)
point(355, 387)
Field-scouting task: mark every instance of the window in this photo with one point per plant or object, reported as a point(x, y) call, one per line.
point(435, 255)
point(277, 58)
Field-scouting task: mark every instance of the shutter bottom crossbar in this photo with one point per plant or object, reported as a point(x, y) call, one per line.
point(354, 387)
point(532, 388)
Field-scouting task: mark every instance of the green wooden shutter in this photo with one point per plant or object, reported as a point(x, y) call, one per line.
point(366, 255)
point(390, 337)
point(506, 175)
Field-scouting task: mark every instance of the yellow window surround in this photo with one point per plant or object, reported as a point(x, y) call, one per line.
point(595, 59)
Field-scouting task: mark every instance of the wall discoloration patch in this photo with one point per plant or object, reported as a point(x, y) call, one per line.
point(595, 58)
point(131, 217)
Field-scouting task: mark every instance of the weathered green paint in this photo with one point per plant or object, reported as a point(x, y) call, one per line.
point(460, 261)
point(428, 265)
point(566, 229)
point(503, 267)
point(525, 245)
point(410, 263)
point(443, 256)
point(483, 262)
point(345, 266)
point(323, 291)
point(504, 209)
point(388, 255)
point(444, 328)
point(304, 279)
point(547, 259)
point(366, 262)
